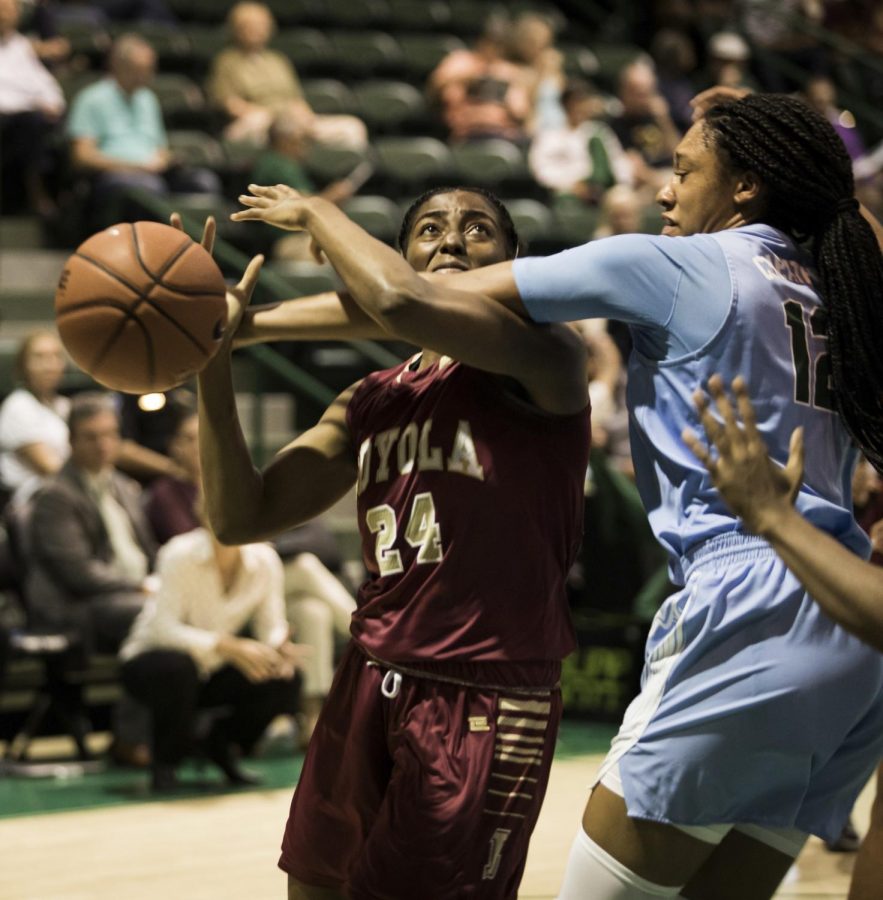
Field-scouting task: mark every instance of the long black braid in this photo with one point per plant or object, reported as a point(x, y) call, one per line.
point(807, 178)
point(505, 219)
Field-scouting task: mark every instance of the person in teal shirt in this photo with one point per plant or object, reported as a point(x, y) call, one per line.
point(119, 140)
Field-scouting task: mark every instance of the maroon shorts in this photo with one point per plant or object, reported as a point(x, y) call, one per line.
point(431, 793)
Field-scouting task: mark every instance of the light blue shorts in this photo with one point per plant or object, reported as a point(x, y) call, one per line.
point(755, 707)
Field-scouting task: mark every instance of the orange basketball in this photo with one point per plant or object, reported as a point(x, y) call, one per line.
point(140, 307)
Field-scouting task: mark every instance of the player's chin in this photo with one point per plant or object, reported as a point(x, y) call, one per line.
point(670, 230)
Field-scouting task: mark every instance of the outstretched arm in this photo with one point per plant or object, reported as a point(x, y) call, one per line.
point(849, 589)
point(320, 317)
point(548, 361)
point(243, 503)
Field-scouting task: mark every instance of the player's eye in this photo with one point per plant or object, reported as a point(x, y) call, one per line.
point(427, 228)
point(680, 175)
point(478, 228)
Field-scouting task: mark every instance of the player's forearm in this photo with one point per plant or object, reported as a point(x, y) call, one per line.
point(379, 279)
point(849, 589)
point(321, 317)
point(232, 486)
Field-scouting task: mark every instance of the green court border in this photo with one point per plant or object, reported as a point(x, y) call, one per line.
point(21, 796)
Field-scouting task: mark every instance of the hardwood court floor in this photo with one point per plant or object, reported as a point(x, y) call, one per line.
point(224, 847)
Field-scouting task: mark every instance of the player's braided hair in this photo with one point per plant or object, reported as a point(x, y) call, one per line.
point(513, 244)
point(808, 188)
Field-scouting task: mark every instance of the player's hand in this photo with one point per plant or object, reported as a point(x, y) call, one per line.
point(238, 298)
point(207, 241)
point(277, 205)
point(720, 93)
point(752, 484)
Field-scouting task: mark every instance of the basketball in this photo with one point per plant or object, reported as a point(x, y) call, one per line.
point(141, 307)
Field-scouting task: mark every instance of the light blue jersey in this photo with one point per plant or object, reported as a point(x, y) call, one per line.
point(755, 707)
point(738, 302)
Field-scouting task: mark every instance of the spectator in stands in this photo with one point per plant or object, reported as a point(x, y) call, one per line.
point(100, 13)
point(33, 418)
point(119, 139)
point(90, 551)
point(531, 45)
point(253, 84)
point(171, 500)
point(318, 606)
point(644, 126)
point(584, 158)
point(187, 651)
point(728, 61)
point(282, 162)
point(479, 93)
point(31, 105)
point(621, 212)
point(674, 54)
point(821, 94)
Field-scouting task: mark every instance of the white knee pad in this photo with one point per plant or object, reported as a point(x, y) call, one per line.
point(593, 874)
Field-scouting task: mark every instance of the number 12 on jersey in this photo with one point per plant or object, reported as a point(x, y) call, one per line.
point(807, 369)
point(421, 532)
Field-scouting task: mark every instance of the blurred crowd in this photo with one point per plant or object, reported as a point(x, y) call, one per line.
point(108, 539)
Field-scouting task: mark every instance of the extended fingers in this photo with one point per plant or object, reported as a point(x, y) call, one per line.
point(712, 427)
point(250, 276)
point(208, 234)
point(700, 451)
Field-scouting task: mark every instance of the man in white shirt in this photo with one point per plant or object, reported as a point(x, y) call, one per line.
point(31, 103)
point(187, 651)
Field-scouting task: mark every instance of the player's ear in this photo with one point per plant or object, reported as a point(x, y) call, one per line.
point(748, 189)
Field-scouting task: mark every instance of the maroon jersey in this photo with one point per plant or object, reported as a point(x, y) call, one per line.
point(470, 507)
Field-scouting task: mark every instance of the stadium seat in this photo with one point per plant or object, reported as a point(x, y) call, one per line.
point(180, 98)
point(304, 278)
point(73, 82)
point(489, 162)
point(196, 148)
point(170, 43)
point(417, 15)
point(362, 53)
point(533, 220)
point(356, 13)
point(328, 96)
point(421, 53)
point(199, 206)
point(413, 163)
point(611, 60)
point(308, 49)
point(296, 12)
point(575, 223)
point(206, 41)
point(329, 163)
point(468, 17)
point(86, 39)
point(379, 216)
point(387, 106)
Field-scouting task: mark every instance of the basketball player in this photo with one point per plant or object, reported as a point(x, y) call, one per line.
point(428, 765)
point(849, 589)
point(742, 741)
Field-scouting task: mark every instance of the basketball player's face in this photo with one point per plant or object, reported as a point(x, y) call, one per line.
point(95, 442)
point(699, 197)
point(455, 232)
